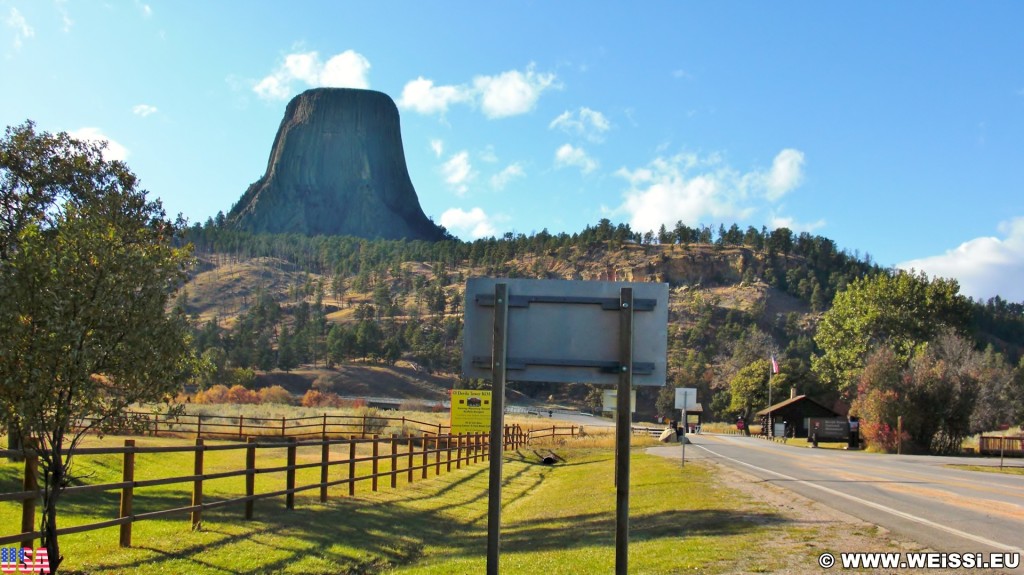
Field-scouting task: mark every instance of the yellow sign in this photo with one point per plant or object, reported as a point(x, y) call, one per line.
point(471, 411)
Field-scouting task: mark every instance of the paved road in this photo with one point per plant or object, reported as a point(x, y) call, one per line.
point(918, 497)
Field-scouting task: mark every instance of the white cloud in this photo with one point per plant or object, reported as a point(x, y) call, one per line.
point(506, 94)
point(304, 67)
point(273, 88)
point(113, 151)
point(22, 30)
point(691, 189)
point(587, 123)
point(421, 95)
point(437, 146)
point(144, 110)
point(502, 178)
point(512, 93)
point(487, 154)
point(984, 267)
point(475, 222)
point(458, 172)
point(786, 173)
point(346, 70)
point(571, 156)
point(65, 16)
point(146, 9)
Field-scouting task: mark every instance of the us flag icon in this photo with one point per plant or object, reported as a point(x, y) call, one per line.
point(24, 560)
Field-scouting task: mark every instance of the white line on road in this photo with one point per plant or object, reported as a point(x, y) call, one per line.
point(873, 505)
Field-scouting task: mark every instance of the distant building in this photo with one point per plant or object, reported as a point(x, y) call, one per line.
point(796, 412)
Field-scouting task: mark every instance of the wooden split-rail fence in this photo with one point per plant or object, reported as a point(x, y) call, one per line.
point(240, 427)
point(318, 426)
point(403, 456)
point(321, 426)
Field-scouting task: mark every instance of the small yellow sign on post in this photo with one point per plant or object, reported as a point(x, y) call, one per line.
point(471, 411)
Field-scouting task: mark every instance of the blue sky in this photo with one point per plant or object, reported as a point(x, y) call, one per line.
point(896, 129)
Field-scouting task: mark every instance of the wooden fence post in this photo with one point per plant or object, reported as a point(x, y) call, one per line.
point(240, 418)
point(376, 466)
point(325, 456)
point(394, 461)
point(127, 492)
point(363, 433)
point(448, 452)
point(250, 475)
point(458, 451)
point(30, 483)
point(425, 463)
point(437, 455)
point(199, 427)
point(412, 449)
point(323, 432)
point(197, 487)
point(283, 422)
point(289, 498)
point(352, 467)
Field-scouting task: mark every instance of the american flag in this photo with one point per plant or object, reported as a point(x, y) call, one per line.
point(24, 560)
point(775, 365)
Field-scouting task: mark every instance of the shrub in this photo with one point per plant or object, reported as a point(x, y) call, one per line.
point(241, 376)
point(324, 383)
point(375, 423)
point(275, 394)
point(314, 398)
point(216, 394)
point(240, 395)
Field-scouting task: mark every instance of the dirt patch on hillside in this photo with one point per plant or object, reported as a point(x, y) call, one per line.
point(399, 381)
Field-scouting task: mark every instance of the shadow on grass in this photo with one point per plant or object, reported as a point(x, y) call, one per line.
point(366, 535)
point(599, 528)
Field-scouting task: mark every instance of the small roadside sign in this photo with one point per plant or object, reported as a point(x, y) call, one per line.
point(471, 411)
point(609, 398)
point(686, 398)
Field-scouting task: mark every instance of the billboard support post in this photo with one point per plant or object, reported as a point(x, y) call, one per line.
point(623, 431)
point(682, 438)
point(498, 366)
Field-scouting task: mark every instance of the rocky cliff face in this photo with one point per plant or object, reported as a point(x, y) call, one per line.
point(337, 168)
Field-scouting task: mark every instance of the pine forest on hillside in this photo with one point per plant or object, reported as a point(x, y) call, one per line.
point(278, 303)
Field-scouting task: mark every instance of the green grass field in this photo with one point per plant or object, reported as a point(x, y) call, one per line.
point(556, 520)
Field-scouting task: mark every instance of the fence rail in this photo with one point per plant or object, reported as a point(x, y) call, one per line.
point(240, 427)
point(403, 455)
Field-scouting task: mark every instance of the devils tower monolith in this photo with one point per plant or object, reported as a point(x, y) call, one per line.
point(337, 168)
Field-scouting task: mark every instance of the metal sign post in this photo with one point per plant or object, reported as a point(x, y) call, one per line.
point(564, 331)
point(499, 364)
point(682, 440)
point(686, 398)
point(622, 432)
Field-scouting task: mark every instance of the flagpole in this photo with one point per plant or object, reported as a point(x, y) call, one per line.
point(770, 430)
